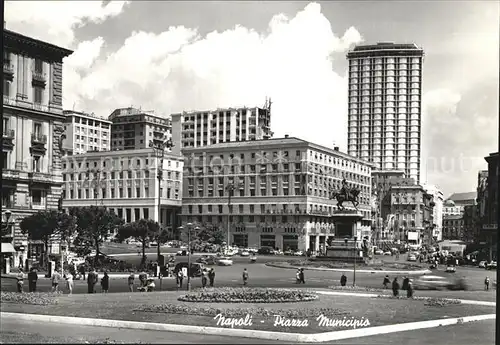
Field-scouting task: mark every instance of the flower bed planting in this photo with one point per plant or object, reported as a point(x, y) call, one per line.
point(248, 295)
point(343, 265)
point(354, 288)
point(429, 301)
point(241, 312)
point(35, 298)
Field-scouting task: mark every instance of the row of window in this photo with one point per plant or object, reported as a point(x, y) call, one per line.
point(119, 193)
point(141, 162)
point(116, 175)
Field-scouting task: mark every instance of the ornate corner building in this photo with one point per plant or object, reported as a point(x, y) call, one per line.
point(33, 123)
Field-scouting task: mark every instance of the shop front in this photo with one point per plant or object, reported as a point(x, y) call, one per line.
point(240, 240)
point(290, 242)
point(268, 241)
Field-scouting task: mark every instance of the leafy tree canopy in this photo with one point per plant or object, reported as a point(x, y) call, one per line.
point(45, 224)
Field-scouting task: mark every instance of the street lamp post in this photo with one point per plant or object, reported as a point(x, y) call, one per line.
point(230, 190)
point(159, 149)
point(355, 255)
point(5, 228)
point(189, 228)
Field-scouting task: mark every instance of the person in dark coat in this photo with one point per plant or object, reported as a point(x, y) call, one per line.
point(406, 280)
point(91, 281)
point(302, 276)
point(211, 277)
point(32, 279)
point(386, 282)
point(81, 270)
point(105, 282)
point(245, 276)
point(409, 290)
point(343, 280)
point(395, 287)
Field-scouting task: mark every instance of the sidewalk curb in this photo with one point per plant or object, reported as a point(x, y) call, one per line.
point(418, 272)
point(372, 295)
point(247, 333)
point(111, 276)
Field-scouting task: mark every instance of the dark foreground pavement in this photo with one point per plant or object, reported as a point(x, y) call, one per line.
point(12, 331)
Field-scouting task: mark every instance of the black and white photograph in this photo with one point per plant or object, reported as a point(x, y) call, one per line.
point(238, 172)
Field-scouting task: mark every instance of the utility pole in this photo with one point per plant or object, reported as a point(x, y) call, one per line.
point(159, 149)
point(230, 189)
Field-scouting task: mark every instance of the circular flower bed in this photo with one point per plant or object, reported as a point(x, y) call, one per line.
point(353, 288)
point(36, 298)
point(321, 264)
point(248, 295)
point(241, 312)
point(429, 301)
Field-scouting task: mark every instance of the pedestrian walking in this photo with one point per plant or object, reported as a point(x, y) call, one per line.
point(409, 290)
point(211, 277)
point(343, 280)
point(105, 282)
point(204, 278)
point(302, 276)
point(92, 279)
point(131, 279)
point(180, 278)
point(386, 282)
point(81, 269)
point(20, 280)
point(32, 279)
point(395, 287)
point(406, 280)
point(297, 276)
point(69, 283)
point(487, 283)
point(56, 277)
point(245, 276)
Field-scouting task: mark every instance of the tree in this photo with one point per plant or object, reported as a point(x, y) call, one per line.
point(44, 225)
point(205, 234)
point(144, 231)
point(94, 225)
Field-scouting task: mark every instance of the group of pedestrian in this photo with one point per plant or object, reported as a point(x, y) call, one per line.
point(207, 276)
point(300, 276)
point(407, 285)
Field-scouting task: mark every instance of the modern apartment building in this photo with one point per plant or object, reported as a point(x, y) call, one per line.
point(385, 97)
point(32, 128)
point(201, 128)
point(125, 182)
point(438, 199)
point(87, 132)
point(133, 129)
point(282, 190)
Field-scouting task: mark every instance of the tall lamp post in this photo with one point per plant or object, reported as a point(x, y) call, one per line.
point(230, 190)
point(159, 149)
point(355, 256)
point(189, 227)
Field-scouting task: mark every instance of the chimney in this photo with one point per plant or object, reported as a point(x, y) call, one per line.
point(286, 136)
point(336, 148)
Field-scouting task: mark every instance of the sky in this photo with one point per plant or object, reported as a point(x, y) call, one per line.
point(186, 55)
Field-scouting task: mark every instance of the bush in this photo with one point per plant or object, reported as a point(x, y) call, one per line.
point(240, 312)
point(36, 298)
point(248, 295)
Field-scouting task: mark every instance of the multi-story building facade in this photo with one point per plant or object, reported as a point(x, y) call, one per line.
point(470, 224)
point(455, 204)
point(32, 128)
point(125, 182)
point(489, 221)
point(282, 190)
point(134, 129)
point(453, 227)
point(412, 208)
point(385, 96)
point(201, 128)
point(438, 199)
point(87, 132)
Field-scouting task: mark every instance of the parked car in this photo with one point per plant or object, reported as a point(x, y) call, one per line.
point(266, 251)
point(379, 252)
point(387, 253)
point(245, 253)
point(183, 252)
point(482, 264)
point(298, 253)
point(412, 257)
point(451, 269)
point(195, 271)
point(225, 261)
point(288, 252)
point(492, 265)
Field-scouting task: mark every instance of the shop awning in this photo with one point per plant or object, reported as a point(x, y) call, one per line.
point(8, 248)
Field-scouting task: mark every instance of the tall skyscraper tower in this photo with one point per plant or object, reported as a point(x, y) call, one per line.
point(384, 125)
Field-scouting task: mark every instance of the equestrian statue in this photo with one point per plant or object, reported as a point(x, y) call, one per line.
point(346, 194)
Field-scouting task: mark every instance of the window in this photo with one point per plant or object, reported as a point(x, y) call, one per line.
point(6, 88)
point(37, 129)
point(36, 196)
point(36, 164)
point(38, 92)
point(38, 66)
point(137, 192)
point(5, 160)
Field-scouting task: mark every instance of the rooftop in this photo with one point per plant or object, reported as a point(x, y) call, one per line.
point(24, 44)
point(211, 111)
point(463, 196)
point(69, 113)
point(386, 48)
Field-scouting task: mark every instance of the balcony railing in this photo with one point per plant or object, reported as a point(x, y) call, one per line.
point(38, 139)
point(8, 68)
point(8, 133)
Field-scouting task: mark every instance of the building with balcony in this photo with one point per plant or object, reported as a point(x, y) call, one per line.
point(125, 182)
point(87, 132)
point(412, 208)
point(133, 129)
point(32, 132)
point(282, 189)
point(453, 227)
point(438, 199)
point(455, 204)
point(384, 109)
point(201, 128)
point(489, 205)
point(470, 224)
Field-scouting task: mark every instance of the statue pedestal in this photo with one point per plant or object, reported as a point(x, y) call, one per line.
point(347, 243)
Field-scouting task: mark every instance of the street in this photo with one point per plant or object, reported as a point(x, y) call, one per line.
point(261, 275)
